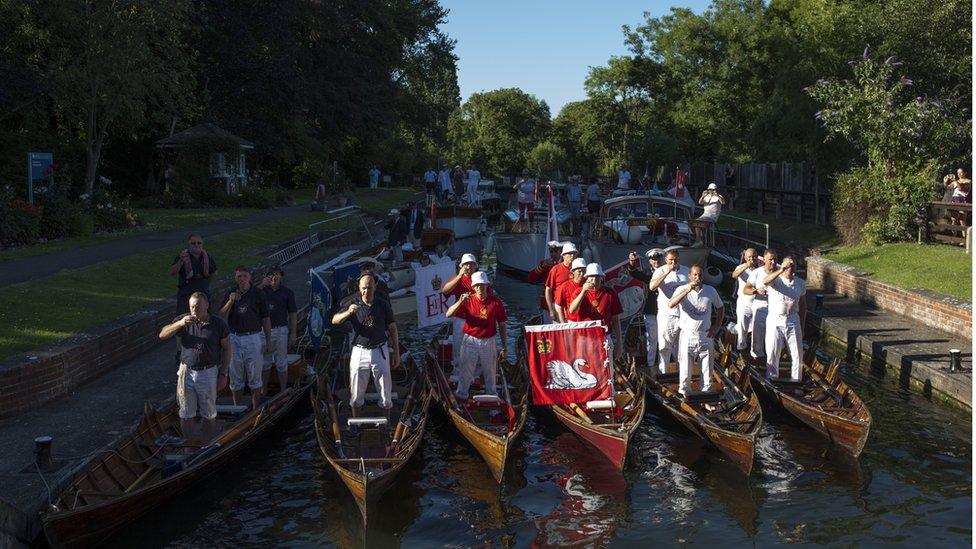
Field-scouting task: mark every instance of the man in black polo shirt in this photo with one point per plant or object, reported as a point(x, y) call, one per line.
point(375, 347)
point(246, 312)
point(655, 258)
point(194, 268)
point(204, 362)
point(284, 316)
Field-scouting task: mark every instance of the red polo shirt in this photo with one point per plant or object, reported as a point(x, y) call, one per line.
point(481, 317)
point(540, 274)
point(565, 295)
point(558, 274)
point(462, 287)
point(600, 304)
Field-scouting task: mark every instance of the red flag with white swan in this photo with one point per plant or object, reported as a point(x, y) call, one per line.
point(568, 363)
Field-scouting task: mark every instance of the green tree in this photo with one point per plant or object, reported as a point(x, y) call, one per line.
point(547, 157)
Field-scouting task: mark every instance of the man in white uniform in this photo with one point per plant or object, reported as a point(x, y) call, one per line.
point(374, 178)
point(430, 181)
point(474, 178)
point(756, 287)
point(784, 325)
point(667, 279)
point(445, 179)
point(696, 302)
point(743, 301)
point(623, 178)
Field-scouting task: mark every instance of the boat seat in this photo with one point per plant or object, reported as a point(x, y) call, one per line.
point(230, 409)
point(599, 405)
point(366, 422)
point(375, 397)
point(703, 397)
point(487, 400)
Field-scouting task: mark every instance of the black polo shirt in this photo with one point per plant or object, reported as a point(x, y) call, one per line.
point(281, 302)
point(195, 281)
point(248, 313)
point(650, 302)
point(370, 323)
point(200, 343)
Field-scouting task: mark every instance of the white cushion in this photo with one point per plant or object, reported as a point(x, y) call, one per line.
point(493, 399)
point(600, 404)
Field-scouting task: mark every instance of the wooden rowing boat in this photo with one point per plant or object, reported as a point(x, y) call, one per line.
point(610, 430)
point(821, 399)
point(728, 416)
point(491, 425)
point(369, 455)
point(146, 469)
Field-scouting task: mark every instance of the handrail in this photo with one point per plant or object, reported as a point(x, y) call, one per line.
point(764, 230)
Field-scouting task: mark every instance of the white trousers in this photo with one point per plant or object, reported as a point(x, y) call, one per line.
point(781, 333)
point(477, 352)
point(691, 347)
point(667, 339)
point(246, 361)
point(472, 192)
point(759, 310)
point(743, 322)
point(196, 391)
point(366, 362)
point(278, 356)
point(650, 332)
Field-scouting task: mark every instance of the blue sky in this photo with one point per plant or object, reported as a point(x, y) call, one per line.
point(544, 47)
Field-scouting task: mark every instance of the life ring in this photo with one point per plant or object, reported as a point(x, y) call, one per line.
point(712, 276)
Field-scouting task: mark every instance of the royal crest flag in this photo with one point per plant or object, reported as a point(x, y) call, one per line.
point(568, 362)
point(319, 305)
point(629, 290)
point(431, 304)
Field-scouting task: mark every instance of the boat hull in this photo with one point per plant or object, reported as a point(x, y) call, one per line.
point(463, 220)
point(611, 443)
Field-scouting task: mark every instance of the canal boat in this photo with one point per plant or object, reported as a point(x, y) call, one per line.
point(367, 452)
point(638, 222)
point(157, 461)
point(463, 220)
point(490, 423)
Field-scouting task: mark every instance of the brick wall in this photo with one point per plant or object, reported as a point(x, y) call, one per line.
point(930, 308)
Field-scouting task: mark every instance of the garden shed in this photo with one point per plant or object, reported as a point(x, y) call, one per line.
point(207, 148)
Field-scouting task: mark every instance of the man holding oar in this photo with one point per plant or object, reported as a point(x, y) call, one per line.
point(484, 316)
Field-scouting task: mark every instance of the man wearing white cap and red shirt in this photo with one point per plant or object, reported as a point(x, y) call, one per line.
point(541, 273)
point(557, 275)
point(568, 291)
point(483, 316)
point(667, 279)
point(596, 302)
point(696, 302)
point(456, 287)
point(784, 323)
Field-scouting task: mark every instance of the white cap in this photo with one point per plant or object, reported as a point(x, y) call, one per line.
point(654, 252)
point(578, 263)
point(594, 269)
point(569, 248)
point(554, 244)
point(712, 186)
point(394, 211)
point(479, 277)
point(468, 258)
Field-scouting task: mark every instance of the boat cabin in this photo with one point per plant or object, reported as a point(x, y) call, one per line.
point(650, 221)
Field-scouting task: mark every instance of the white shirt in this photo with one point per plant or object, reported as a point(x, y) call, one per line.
point(713, 206)
point(434, 258)
point(474, 177)
point(623, 179)
point(784, 300)
point(593, 192)
point(740, 284)
point(430, 176)
point(756, 278)
point(374, 174)
point(526, 191)
point(696, 309)
point(672, 282)
point(445, 177)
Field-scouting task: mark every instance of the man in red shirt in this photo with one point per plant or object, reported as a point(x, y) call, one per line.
point(484, 316)
point(456, 287)
point(568, 291)
point(596, 302)
point(541, 272)
point(557, 275)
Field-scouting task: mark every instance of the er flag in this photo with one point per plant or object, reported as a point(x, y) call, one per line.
point(568, 362)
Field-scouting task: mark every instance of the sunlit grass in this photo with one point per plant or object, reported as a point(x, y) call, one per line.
point(937, 267)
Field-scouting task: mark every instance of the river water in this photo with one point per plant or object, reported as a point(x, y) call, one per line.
point(912, 485)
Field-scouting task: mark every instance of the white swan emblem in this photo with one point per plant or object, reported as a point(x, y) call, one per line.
point(566, 377)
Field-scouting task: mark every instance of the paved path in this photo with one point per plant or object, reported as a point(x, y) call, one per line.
point(917, 354)
point(23, 270)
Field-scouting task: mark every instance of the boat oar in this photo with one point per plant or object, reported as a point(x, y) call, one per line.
point(508, 397)
point(402, 422)
point(336, 433)
point(579, 411)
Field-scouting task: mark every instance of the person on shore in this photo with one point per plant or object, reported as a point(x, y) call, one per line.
point(414, 216)
point(593, 200)
point(459, 285)
point(321, 196)
point(784, 325)
point(474, 179)
point(483, 316)
point(398, 234)
point(558, 274)
point(246, 312)
point(457, 182)
point(568, 291)
point(597, 302)
point(666, 280)
point(696, 301)
point(194, 268)
point(374, 178)
point(205, 356)
point(375, 345)
point(756, 287)
point(444, 176)
point(655, 258)
point(430, 182)
point(623, 178)
point(574, 196)
point(961, 194)
point(539, 274)
point(283, 312)
point(525, 187)
point(743, 301)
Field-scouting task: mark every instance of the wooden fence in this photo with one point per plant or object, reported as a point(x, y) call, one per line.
point(947, 222)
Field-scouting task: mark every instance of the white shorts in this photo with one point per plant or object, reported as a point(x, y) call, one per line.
point(246, 361)
point(366, 362)
point(278, 357)
point(196, 391)
point(477, 352)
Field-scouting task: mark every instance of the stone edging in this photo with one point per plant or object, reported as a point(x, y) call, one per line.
point(933, 309)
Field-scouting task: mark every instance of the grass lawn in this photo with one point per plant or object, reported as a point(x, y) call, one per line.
point(38, 313)
point(814, 236)
point(936, 267)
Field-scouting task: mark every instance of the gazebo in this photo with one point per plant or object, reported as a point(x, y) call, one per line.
point(227, 153)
